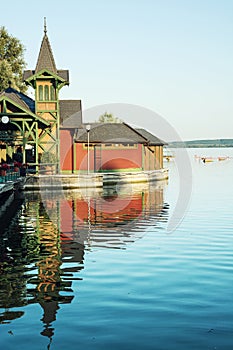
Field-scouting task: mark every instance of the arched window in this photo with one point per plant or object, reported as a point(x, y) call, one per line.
point(41, 95)
point(46, 93)
point(52, 93)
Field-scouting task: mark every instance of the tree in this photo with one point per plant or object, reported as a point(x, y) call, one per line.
point(12, 62)
point(108, 118)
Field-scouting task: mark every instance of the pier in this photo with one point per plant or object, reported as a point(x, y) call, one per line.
point(91, 180)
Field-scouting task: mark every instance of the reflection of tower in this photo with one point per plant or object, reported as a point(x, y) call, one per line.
point(51, 235)
point(49, 282)
point(50, 261)
point(33, 238)
point(51, 278)
point(50, 309)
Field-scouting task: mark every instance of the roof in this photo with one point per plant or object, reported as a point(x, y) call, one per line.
point(45, 58)
point(70, 113)
point(46, 61)
point(110, 133)
point(153, 140)
point(22, 103)
point(21, 99)
point(61, 73)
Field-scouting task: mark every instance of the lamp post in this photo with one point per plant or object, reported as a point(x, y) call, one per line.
point(88, 128)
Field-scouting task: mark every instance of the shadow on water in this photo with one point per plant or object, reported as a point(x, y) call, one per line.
point(44, 236)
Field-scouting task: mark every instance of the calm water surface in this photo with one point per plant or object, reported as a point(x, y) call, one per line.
point(99, 270)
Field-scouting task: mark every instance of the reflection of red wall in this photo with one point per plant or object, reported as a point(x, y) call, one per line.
point(111, 159)
point(105, 211)
point(122, 208)
point(119, 209)
point(66, 149)
point(66, 218)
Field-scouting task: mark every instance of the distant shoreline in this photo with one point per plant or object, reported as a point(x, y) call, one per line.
point(217, 143)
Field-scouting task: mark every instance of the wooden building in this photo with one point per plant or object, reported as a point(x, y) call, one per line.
point(110, 147)
point(48, 131)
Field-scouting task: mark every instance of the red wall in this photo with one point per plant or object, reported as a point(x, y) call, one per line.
point(66, 150)
point(111, 159)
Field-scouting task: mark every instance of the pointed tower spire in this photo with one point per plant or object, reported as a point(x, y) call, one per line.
point(45, 26)
point(46, 61)
point(45, 58)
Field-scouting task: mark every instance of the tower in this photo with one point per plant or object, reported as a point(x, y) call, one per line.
point(47, 81)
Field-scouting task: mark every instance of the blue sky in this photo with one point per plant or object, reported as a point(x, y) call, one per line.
point(174, 57)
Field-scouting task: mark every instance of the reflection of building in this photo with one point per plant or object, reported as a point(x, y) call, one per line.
point(51, 279)
point(43, 251)
point(33, 239)
point(49, 131)
point(110, 218)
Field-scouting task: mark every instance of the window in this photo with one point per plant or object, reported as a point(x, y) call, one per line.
point(120, 146)
point(46, 93)
point(41, 94)
point(91, 146)
point(52, 93)
point(111, 146)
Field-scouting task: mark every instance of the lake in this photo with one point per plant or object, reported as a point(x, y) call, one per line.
point(99, 269)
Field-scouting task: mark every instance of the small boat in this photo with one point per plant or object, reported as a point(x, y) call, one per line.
point(207, 159)
point(222, 158)
point(168, 156)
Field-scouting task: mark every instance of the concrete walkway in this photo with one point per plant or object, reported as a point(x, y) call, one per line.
point(92, 180)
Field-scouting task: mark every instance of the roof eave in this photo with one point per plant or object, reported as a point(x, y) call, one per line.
point(24, 110)
point(38, 74)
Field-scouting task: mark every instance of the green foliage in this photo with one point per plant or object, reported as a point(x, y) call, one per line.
point(108, 118)
point(12, 62)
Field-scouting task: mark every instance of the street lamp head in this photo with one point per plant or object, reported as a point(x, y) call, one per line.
point(5, 119)
point(88, 127)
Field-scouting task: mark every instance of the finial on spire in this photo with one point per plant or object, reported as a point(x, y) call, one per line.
point(45, 27)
